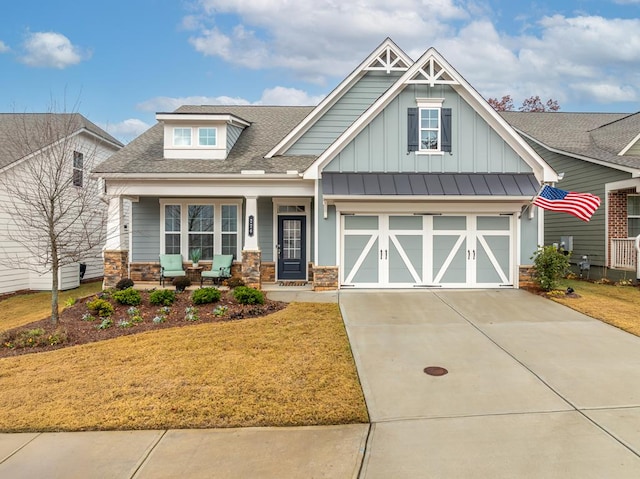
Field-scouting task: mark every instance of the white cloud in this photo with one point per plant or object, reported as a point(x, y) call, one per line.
point(3, 47)
point(271, 96)
point(555, 56)
point(51, 50)
point(126, 130)
point(165, 103)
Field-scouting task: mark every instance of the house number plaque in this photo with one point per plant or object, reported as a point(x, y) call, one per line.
point(251, 219)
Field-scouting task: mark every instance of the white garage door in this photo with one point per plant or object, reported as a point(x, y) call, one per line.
point(454, 251)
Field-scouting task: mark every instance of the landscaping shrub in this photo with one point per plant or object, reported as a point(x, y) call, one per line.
point(206, 295)
point(162, 297)
point(246, 295)
point(101, 307)
point(181, 283)
point(30, 338)
point(550, 266)
point(124, 283)
point(129, 296)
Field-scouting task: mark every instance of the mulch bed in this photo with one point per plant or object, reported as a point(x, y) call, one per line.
point(79, 331)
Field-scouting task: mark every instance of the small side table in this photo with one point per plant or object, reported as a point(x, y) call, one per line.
point(194, 274)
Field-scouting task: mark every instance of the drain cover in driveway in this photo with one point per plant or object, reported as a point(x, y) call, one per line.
point(435, 371)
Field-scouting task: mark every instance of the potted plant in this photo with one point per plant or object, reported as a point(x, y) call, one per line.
point(195, 257)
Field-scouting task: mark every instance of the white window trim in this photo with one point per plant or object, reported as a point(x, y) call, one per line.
point(190, 135)
point(429, 104)
point(199, 145)
point(631, 216)
point(217, 223)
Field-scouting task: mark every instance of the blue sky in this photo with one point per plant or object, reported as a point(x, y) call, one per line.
point(118, 63)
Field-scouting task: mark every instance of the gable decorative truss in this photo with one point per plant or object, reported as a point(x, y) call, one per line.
point(432, 73)
point(388, 61)
point(387, 57)
point(432, 69)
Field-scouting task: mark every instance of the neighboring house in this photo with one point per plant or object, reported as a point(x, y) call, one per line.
point(403, 176)
point(25, 140)
point(598, 153)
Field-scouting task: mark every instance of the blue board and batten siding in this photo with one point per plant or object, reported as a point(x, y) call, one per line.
point(233, 133)
point(382, 145)
point(265, 227)
point(343, 113)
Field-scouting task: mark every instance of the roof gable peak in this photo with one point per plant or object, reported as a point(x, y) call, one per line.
point(431, 70)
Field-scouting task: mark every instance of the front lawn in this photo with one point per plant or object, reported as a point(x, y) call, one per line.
point(615, 305)
point(293, 367)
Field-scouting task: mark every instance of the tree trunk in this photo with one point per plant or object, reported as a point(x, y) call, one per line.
point(55, 268)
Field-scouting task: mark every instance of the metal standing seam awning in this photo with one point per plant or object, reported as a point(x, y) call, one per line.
point(429, 184)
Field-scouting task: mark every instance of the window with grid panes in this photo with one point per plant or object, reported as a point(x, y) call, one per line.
point(633, 215)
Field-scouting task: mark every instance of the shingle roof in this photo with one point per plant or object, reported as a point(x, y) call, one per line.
point(600, 136)
point(37, 130)
point(269, 124)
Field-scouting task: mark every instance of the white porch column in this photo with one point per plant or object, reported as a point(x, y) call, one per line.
point(251, 224)
point(116, 237)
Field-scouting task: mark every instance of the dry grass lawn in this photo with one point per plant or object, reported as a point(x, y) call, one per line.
point(293, 367)
point(26, 308)
point(615, 305)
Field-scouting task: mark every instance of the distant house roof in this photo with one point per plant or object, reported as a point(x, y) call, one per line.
point(600, 136)
point(268, 125)
point(35, 131)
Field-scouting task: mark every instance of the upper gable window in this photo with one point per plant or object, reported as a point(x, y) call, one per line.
point(78, 168)
point(182, 136)
point(429, 129)
point(207, 136)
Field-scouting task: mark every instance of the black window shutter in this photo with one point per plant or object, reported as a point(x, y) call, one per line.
point(412, 129)
point(445, 118)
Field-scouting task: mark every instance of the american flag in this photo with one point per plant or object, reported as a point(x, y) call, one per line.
point(580, 205)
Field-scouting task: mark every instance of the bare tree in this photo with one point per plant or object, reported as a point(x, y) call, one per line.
point(56, 208)
point(531, 104)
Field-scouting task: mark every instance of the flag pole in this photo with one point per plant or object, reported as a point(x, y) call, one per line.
point(528, 207)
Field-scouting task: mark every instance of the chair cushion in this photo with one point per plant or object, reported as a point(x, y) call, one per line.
point(171, 262)
point(173, 273)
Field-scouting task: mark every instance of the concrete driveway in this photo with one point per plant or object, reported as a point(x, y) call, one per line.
point(533, 390)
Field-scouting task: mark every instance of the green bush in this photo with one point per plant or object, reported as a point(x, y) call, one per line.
point(550, 266)
point(162, 297)
point(206, 295)
point(124, 283)
point(246, 295)
point(129, 296)
point(101, 307)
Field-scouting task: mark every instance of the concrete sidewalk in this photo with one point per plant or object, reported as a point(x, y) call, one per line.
point(319, 452)
point(533, 389)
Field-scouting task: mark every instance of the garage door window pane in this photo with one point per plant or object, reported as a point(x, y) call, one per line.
point(361, 222)
point(455, 223)
point(405, 222)
point(493, 223)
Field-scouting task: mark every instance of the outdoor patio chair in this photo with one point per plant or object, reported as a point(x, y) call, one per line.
point(170, 267)
point(220, 269)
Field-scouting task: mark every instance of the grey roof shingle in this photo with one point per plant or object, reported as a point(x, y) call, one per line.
point(25, 133)
point(600, 136)
point(269, 124)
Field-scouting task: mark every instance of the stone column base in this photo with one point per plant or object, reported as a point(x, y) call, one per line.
point(115, 267)
point(325, 278)
point(251, 268)
point(526, 275)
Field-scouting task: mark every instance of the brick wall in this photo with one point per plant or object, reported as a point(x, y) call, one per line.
point(617, 219)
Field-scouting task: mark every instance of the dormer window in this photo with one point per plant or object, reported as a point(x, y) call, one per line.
point(207, 136)
point(182, 136)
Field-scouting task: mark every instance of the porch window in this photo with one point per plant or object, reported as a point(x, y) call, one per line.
point(172, 229)
point(210, 226)
point(182, 136)
point(229, 229)
point(633, 215)
point(200, 227)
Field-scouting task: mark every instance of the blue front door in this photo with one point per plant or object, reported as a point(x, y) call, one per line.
point(291, 248)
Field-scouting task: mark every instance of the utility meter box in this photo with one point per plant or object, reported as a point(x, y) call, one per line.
point(566, 243)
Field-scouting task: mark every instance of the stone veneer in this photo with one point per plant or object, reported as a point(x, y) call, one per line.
point(251, 268)
point(115, 267)
point(144, 271)
point(268, 272)
point(325, 278)
point(526, 272)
